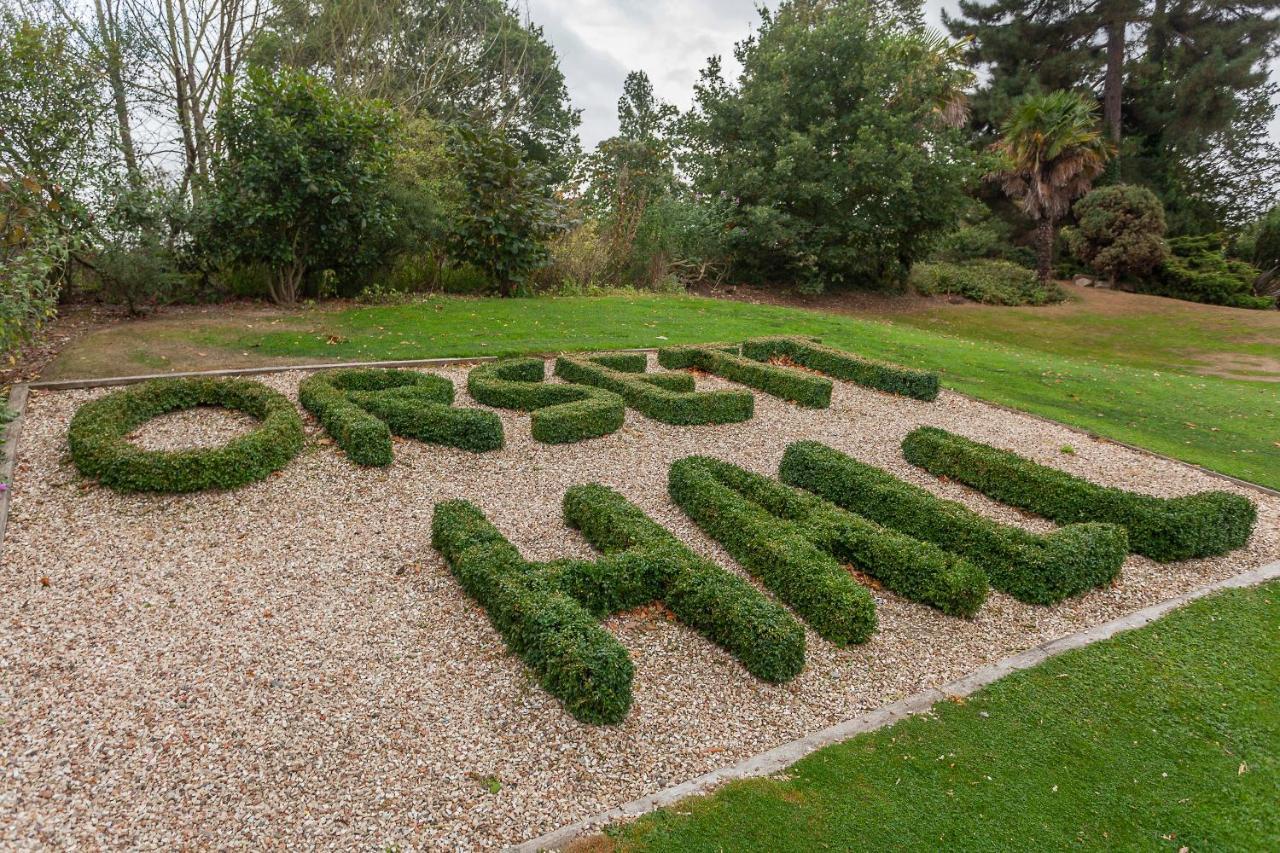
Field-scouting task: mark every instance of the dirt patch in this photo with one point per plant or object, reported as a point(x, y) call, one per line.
point(1252, 368)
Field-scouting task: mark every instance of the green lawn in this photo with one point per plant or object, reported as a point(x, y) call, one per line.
point(1017, 357)
point(1164, 738)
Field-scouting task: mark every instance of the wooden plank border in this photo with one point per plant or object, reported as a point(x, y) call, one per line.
point(9, 460)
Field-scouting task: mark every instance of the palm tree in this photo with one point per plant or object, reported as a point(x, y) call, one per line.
point(1053, 148)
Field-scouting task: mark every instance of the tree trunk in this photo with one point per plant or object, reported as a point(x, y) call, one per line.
point(1044, 249)
point(109, 31)
point(1114, 82)
point(286, 283)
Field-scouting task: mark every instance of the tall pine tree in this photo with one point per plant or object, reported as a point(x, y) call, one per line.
point(1183, 84)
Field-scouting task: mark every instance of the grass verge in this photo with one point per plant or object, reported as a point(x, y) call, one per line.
point(1163, 738)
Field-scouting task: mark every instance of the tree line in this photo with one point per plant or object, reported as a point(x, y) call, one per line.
point(170, 150)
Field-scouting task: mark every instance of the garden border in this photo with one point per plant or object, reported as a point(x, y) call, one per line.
point(9, 460)
point(781, 757)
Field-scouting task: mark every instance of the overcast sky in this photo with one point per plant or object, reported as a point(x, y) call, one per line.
point(599, 41)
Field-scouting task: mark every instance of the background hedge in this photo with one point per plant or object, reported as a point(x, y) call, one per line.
point(666, 397)
point(796, 543)
point(361, 408)
point(725, 362)
point(100, 449)
point(1032, 568)
point(920, 384)
point(1199, 525)
point(561, 413)
point(549, 612)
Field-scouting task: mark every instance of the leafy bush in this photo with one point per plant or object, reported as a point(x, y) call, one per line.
point(100, 447)
point(561, 413)
point(989, 282)
point(1164, 529)
point(795, 544)
point(725, 362)
point(1196, 269)
point(666, 397)
point(1119, 231)
point(1032, 568)
point(302, 180)
point(505, 213)
point(35, 248)
point(361, 408)
point(808, 352)
point(549, 612)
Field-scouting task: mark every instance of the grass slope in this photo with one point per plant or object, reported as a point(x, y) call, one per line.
point(1164, 738)
point(1230, 425)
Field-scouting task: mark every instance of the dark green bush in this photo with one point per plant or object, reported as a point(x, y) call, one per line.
point(666, 397)
point(988, 281)
point(100, 449)
point(1197, 269)
point(1199, 525)
point(561, 413)
point(549, 612)
point(795, 544)
point(1032, 568)
point(808, 352)
point(787, 383)
point(361, 408)
point(1119, 231)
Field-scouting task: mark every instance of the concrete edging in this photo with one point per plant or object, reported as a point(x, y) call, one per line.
point(9, 460)
point(787, 754)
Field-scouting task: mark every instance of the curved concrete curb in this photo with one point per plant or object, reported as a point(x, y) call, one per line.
point(787, 754)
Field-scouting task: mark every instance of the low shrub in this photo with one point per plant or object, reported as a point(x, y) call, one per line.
point(988, 281)
point(1196, 269)
point(100, 447)
point(795, 543)
point(808, 352)
point(561, 413)
point(1119, 231)
point(1164, 529)
point(787, 383)
point(666, 397)
point(361, 408)
point(1032, 568)
point(549, 612)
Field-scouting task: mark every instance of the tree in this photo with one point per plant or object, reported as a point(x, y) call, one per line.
point(1052, 150)
point(1183, 83)
point(836, 178)
point(468, 61)
point(301, 179)
point(505, 213)
point(1119, 231)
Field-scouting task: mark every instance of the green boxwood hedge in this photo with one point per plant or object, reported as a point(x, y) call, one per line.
point(789, 384)
point(795, 543)
point(361, 408)
point(807, 352)
point(666, 397)
point(549, 613)
point(561, 413)
point(100, 449)
point(1199, 525)
point(1032, 568)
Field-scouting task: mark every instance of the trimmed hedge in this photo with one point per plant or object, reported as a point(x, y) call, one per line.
point(666, 397)
point(100, 449)
point(361, 408)
point(561, 413)
point(795, 543)
point(1030, 567)
point(797, 386)
point(807, 352)
point(549, 613)
point(1164, 529)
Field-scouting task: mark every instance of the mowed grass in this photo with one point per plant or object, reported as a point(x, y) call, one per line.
point(1007, 356)
point(1163, 738)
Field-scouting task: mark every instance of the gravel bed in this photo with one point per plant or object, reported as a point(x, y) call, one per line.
point(292, 665)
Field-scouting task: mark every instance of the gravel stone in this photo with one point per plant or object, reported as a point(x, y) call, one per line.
point(292, 665)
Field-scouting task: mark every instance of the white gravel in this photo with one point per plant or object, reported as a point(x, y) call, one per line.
point(292, 665)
